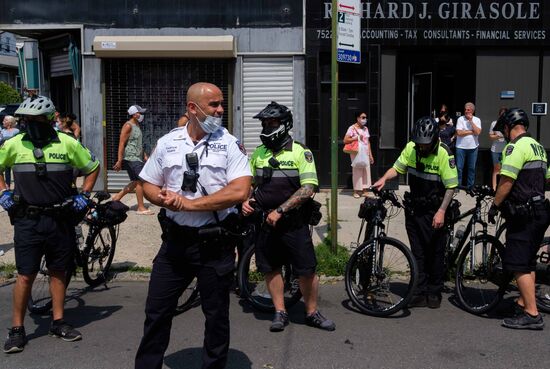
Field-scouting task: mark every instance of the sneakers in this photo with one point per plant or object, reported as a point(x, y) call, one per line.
point(524, 321)
point(279, 322)
point(64, 331)
point(418, 301)
point(318, 321)
point(434, 301)
point(17, 339)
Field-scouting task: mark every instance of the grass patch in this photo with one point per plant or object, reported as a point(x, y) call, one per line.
point(7, 270)
point(139, 269)
point(329, 263)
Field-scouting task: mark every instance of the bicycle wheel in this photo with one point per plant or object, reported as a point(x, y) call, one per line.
point(542, 277)
point(381, 283)
point(98, 255)
point(254, 289)
point(480, 279)
point(40, 300)
point(189, 298)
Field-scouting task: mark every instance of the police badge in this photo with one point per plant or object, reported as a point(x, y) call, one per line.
point(309, 156)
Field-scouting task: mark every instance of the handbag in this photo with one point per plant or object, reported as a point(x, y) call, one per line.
point(352, 147)
point(362, 158)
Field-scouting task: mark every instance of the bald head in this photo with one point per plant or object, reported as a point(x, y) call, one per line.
point(199, 90)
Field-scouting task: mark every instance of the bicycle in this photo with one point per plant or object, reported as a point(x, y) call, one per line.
point(476, 256)
point(94, 255)
point(381, 274)
point(542, 271)
point(251, 285)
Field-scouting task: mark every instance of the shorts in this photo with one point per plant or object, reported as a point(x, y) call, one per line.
point(275, 248)
point(133, 168)
point(523, 239)
point(45, 235)
point(497, 157)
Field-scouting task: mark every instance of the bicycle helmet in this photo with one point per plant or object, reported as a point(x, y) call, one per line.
point(37, 105)
point(511, 118)
point(275, 138)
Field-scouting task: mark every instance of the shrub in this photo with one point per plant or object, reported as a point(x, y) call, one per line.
point(8, 95)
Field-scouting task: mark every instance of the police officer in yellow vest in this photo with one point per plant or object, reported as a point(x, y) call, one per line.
point(42, 160)
point(285, 180)
point(432, 177)
point(520, 198)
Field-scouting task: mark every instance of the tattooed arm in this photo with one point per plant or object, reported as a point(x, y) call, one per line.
point(299, 197)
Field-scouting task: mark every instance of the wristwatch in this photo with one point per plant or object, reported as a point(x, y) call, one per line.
point(280, 210)
point(86, 194)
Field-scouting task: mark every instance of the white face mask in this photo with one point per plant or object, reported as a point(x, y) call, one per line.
point(363, 121)
point(210, 124)
point(140, 118)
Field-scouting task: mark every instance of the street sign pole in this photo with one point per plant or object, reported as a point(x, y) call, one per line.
point(334, 134)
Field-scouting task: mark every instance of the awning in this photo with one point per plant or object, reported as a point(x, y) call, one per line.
point(165, 46)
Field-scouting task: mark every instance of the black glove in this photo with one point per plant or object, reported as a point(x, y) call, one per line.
point(493, 212)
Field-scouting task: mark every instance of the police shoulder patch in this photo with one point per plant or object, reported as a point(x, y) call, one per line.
point(509, 150)
point(452, 163)
point(241, 147)
point(309, 156)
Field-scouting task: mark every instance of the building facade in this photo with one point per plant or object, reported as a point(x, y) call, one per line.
point(96, 58)
point(419, 55)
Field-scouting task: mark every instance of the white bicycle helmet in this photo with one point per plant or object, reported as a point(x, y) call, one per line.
point(37, 105)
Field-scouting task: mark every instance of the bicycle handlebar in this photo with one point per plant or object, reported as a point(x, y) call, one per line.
point(480, 191)
point(387, 195)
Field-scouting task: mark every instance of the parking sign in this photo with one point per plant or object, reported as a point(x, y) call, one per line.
point(349, 31)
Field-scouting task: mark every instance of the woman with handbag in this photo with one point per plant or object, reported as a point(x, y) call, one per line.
point(358, 135)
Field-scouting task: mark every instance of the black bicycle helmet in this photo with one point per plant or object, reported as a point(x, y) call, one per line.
point(425, 131)
point(511, 118)
point(275, 138)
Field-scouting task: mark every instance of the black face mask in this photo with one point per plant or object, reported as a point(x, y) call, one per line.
point(40, 133)
point(274, 141)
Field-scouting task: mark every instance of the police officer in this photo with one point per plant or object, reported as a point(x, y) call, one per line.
point(432, 177)
point(285, 180)
point(197, 173)
point(520, 197)
point(42, 160)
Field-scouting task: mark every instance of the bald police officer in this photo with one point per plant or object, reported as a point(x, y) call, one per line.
point(285, 180)
point(197, 173)
point(520, 197)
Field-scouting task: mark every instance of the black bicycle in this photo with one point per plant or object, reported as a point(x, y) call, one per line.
point(250, 282)
point(475, 257)
point(381, 274)
point(94, 255)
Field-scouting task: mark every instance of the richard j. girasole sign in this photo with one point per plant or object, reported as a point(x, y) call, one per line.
point(441, 22)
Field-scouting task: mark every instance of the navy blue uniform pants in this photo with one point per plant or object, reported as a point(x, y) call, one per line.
point(428, 248)
point(173, 269)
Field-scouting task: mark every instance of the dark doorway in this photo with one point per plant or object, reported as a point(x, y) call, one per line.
point(61, 89)
point(426, 79)
point(352, 99)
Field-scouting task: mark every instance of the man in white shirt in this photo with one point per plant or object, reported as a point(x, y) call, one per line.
point(468, 129)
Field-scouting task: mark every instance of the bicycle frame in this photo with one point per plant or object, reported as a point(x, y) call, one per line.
point(470, 234)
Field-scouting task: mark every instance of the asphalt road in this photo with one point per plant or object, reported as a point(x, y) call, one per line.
point(111, 322)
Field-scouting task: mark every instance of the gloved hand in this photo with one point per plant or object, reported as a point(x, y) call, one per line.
point(6, 200)
point(80, 202)
point(492, 213)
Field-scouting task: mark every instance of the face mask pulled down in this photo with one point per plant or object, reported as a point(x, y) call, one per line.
point(210, 124)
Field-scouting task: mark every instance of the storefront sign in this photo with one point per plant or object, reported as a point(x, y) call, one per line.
point(349, 31)
point(482, 22)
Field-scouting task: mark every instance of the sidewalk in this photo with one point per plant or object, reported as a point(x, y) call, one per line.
point(139, 237)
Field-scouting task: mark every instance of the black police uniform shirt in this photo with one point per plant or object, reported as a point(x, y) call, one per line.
point(524, 160)
point(275, 184)
point(432, 175)
point(44, 177)
point(222, 159)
